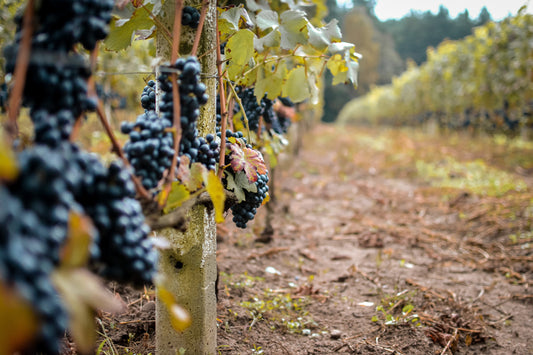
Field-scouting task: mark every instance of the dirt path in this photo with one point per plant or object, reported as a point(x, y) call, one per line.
point(368, 258)
point(349, 239)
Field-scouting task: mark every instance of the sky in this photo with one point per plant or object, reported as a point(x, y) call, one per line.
point(387, 9)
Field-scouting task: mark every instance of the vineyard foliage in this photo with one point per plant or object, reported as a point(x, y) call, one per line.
point(67, 218)
point(484, 82)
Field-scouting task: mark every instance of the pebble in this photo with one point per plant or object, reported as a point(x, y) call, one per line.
point(335, 334)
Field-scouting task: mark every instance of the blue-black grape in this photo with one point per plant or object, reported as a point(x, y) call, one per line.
point(192, 93)
point(190, 17)
point(245, 211)
point(148, 96)
point(150, 149)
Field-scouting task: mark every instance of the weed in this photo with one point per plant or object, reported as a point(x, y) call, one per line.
point(389, 312)
point(281, 311)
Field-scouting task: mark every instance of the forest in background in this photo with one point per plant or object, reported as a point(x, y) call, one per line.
point(387, 46)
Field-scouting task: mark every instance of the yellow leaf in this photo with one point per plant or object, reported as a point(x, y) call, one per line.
point(215, 189)
point(8, 164)
point(18, 323)
point(83, 293)
point(295, 86)
point(178, 194)
point(336, 65)
point(240, 47)
point(76, 251)
point(179, 317)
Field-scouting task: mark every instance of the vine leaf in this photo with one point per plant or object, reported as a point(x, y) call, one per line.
point(179, 317)
point(230, 20)
point(8, 164)
point(178, 194)
point(270, 41)
point(76, 251)
point(321, 38)
point(240, 47)
point(296, 85)
point(82, 293)
point(248, 160)
point(232, 186)
point(18, 324)
point(243, 182)
point(270, 83)
point(215, 189)
point(267, 19)
point(121, 31)
point(293, 29)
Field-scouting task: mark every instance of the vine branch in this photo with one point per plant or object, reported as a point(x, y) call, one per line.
point(223, 111)
point(176, 122)
point(21, 69)
point(205, 4)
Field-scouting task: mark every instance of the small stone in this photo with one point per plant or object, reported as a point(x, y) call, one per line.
point(335, 334)
point(149, 307)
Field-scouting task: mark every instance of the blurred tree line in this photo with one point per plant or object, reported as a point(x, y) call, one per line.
point(387, 46)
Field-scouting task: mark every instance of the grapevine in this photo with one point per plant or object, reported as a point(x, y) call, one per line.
point(68, 211)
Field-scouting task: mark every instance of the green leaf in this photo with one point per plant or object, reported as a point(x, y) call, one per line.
point(242, 181)
point(230, 20)
point(296, 86)
point(321, 38)
point(268, 42)
point(240, 47)
point(293, 29)
point(121, 31)
point(267, 19)
point(268, 82)
point(178, 195)
point(232, 186)
point(215, 189)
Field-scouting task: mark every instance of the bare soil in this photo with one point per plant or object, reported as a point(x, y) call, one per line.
point(366, 257)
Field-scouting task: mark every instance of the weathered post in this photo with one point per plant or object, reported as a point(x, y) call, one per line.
point(189, 266)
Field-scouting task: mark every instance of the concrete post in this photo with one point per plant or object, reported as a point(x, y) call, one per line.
point(190, 265)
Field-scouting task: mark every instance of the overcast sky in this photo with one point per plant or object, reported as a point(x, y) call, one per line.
point(386, 9)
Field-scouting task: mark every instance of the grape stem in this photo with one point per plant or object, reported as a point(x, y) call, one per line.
point(205, 4)
point(21, 69)
point(223, 111)
point(176, 123)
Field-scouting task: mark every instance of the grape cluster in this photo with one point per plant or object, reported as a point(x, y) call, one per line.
point(63, 23)
point(255, 110)
point(52, 128)
point(150, 148)
point(125, 251)
point(25, 266)
point(148, 96)
point(34, 218)
point(245, 211)
point(190, 17)
point(192, 95)
point(54, 84)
